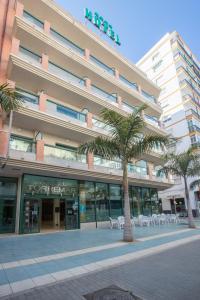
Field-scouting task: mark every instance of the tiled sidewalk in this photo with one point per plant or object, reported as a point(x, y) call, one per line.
point(30, 261)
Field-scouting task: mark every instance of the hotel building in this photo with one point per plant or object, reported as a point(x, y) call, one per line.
point(175, 69)
point(67, 75)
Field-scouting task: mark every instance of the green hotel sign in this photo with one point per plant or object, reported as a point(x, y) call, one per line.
point(102, 24)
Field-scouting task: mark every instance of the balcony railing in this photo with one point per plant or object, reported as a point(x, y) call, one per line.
point(29, 99)
point(66, 75)
point(151, 120)
point(193, 128)
point(111, 164)
point(148, 96)
point(192, 112)
point(128, 108)
point(101, 125)
point(132, 85)
point(103, 94)
point(66, 42)
point(29, 56)
point(22, 148)
point(60, 153)
point(137, 169)
point(64, 112)
point(101, 65)
point(34, 21)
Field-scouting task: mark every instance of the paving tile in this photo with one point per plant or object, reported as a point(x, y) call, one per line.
point(22, 285)
point(5, 290)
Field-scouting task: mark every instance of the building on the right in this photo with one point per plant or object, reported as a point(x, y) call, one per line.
point(174, 68)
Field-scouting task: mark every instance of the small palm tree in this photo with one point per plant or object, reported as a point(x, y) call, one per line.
point(185, 165)
point(10, 99)
point(125, 142)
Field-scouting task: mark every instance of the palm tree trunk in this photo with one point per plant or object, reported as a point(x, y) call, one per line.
point(128, 230)
point(190, 215)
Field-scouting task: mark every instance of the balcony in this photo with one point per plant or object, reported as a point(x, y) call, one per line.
point(22, 148)
point(130, 84)
point(192, 112)
point(65, 42)
point(29, 56)
point(60, 156)
point(101, 65)
point(148, 96)
point(66, 113)
point(33, 21)
point(152, 120)
point(101, 126)
point(66, 75)
point(99, 92)
point(128, 108)
point(30, 100)
point(193, 128)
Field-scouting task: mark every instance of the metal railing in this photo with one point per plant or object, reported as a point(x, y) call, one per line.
point(66, 42)
point(101, 65)
point(103, 94)
point(29, 56)
point(132, 85)
point(63, 111)
point(152, 120)
point(33, 20)
point(148, 96)
point(66, 75)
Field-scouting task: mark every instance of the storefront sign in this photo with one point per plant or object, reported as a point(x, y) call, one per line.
point(102, 25)
point(39, 185)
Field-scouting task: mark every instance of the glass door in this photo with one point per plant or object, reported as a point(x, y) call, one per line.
point(71, 214)
point(31, 215)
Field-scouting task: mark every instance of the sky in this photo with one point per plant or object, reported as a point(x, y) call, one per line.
point(141, 23)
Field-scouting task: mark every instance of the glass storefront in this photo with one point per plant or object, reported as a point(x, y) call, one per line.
point(65, 203)
point(48, 203)
point(8, 196)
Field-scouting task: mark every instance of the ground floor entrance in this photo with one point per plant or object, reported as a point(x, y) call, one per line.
point(49, 214)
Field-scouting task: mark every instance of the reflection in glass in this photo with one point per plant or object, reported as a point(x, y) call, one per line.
point(115, 201)
point(102, 203)
point(87, 202)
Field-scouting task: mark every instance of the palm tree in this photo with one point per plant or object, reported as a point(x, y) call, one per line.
point(125, 142)
point(10, 99)
point(185, 165)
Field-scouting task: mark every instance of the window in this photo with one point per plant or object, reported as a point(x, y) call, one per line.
point(157, 65)
point(155, 56)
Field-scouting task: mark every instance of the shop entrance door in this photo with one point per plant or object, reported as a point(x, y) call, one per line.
point(47, 214)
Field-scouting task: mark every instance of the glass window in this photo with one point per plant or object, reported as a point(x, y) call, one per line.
point(102, 202)
point(87, 202)
point(146, 200)
point(137, 203)
point(28, 97)
point(154, 201)
point(115, 201)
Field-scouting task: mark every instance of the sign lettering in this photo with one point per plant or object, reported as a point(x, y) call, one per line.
point(102, 25)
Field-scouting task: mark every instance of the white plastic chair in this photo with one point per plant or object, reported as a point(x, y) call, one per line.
point(120, 221)
point(113, 223)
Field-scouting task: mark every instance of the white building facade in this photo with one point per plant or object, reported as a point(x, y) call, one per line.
point(173, 67)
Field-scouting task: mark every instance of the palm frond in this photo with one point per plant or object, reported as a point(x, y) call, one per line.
point(10, 99)
point(101, 146)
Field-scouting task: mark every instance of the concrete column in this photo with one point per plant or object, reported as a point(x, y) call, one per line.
point(42, 101)
point(40, 150)
point(116, 72)
point(119, 101)
point(89, 119)
point(47, 27)
point(3, 142)
point(18, 204)
point(45, 61)
point(87, 54)
point(15, 46)
point(19, 9)
point(88, 84)
point(56, 215)
point(90, 160)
